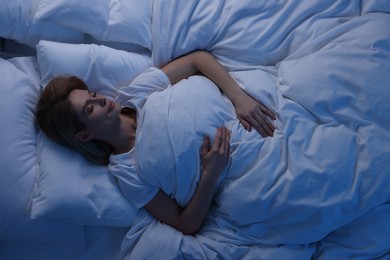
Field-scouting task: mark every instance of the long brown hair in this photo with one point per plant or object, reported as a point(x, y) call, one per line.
point(59, 122)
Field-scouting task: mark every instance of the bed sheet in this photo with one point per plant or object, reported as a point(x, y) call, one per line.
point(324, 69)
point(320, 183)
point(102, 243)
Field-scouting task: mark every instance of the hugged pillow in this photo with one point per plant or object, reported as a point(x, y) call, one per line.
point(17, 23)
point(68, 186)
point(19, 90)
point(106, 20)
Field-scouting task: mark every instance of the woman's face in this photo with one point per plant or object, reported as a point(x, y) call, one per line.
point(98, 113)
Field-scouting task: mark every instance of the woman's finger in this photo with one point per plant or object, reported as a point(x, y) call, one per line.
point(270, 125)
point(223, 139)
point(261, 126)
point(266, 121)
point(267, 128)
point(218, 139)
point(227, 143)
point(206, 145)
point(245, 124)
point(268, 112)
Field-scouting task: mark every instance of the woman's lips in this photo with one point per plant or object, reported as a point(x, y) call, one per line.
point(111, 106)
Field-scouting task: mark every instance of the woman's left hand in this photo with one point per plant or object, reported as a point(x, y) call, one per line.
point(252, 113)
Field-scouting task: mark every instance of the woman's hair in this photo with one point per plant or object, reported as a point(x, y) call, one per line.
point(59, 121)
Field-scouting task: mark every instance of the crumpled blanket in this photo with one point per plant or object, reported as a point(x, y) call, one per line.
point(327, 166)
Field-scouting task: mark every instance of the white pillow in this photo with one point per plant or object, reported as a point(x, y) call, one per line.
point(103, 69)
point(69, 186)
point(106, 20)
point(368, 6)
point(17, 23)
point(19, 90)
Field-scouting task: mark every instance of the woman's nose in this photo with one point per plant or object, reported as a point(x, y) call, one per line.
point(101, 101)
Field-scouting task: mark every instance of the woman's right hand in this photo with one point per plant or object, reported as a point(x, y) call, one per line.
point(190, 218)
point(215, 157)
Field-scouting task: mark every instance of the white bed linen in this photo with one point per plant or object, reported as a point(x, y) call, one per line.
point(19, 78)
point(308, 36)
point(92, 195)
point(102, 243)
point(17, 23)
point(124, 21)
point(242, 33)
point(328, 162)
point(20, 236)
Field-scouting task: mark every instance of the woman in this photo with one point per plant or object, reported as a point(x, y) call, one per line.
point(105, 132)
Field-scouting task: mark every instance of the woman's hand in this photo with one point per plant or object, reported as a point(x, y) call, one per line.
point(252, 113)
point(189, 219)
point(215, 157)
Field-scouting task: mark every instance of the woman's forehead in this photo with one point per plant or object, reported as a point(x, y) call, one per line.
point(77, 98)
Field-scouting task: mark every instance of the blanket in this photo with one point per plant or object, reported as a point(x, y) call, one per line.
point(327, 166)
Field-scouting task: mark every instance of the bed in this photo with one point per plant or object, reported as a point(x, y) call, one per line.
point(317, 189)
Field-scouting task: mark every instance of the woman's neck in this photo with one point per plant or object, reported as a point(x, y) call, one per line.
point(123, 141)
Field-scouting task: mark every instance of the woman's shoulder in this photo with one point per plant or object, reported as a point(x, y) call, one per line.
point(126, 158)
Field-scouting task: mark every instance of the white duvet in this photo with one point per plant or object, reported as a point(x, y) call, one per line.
point(326, 169)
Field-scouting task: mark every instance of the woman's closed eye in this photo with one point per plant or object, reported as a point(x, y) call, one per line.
point(89, 105)
point(89, 108)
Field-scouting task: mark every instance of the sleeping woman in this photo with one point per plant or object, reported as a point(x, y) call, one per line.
point(104, 131)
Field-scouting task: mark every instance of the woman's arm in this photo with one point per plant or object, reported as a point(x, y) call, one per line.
point(189, 219)
point(249, 111)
